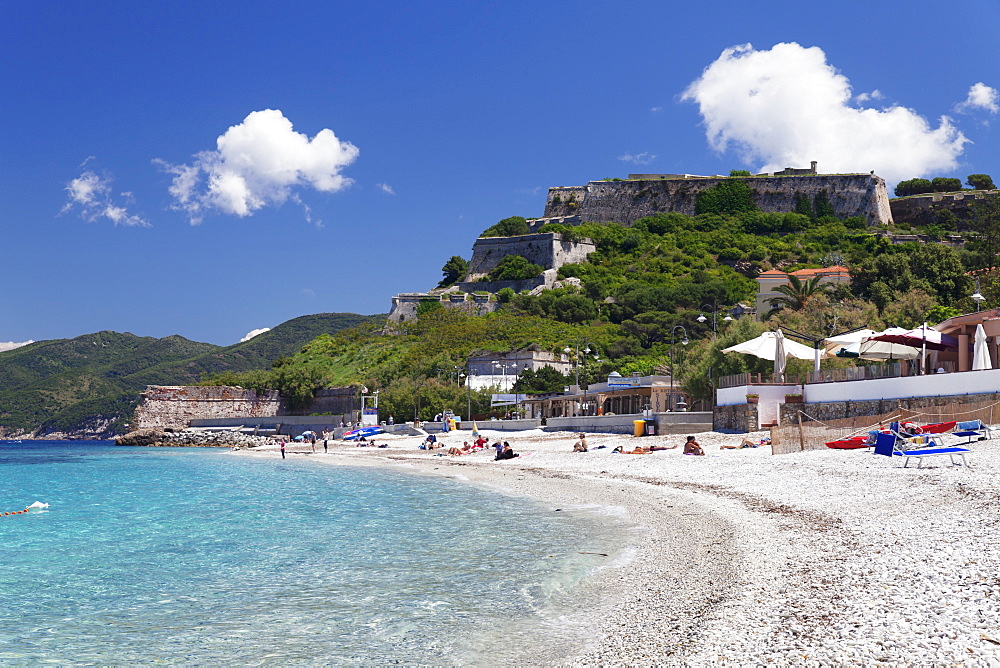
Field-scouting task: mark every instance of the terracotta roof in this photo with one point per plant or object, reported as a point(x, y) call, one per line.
point(825, 271)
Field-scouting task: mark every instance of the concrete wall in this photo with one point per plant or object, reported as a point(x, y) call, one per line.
point(624, 202)
point(986, 381)
point(174, 406)
point(740, 418)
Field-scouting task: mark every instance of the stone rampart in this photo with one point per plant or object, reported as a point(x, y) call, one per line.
point(952, 209)
point(172, 407)
point(624, 202)
point(547, 249)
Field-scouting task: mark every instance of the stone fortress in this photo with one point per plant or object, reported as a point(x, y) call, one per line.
point(624, 202)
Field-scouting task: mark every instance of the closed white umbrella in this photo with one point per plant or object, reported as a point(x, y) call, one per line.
point(980, 353)
point(779, 355)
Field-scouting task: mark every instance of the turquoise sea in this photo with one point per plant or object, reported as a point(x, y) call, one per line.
point(200, 556)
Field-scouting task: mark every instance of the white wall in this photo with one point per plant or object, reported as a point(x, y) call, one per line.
point(932, 385)
point(768, 404)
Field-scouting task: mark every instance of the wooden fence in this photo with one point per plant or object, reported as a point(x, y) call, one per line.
point(811, 434)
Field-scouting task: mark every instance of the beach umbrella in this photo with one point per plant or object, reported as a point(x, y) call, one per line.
point(921, 337)
point(980, 351)
point(764, 347)
point(842, 341)
point(875, 348)
point(780, 357)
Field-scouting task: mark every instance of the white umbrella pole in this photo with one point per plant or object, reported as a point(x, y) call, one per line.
point(816, 361)
point(923, 349)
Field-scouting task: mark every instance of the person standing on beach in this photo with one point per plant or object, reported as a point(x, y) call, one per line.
point(282, 448)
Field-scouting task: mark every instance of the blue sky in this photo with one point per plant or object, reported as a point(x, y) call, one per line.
point(208, 169)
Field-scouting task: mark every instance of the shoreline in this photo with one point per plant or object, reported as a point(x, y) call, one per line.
point(807, 558)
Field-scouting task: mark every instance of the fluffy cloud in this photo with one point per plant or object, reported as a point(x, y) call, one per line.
point(10, 345)
point(643, 158)
point(786, 106)
point(258, 163)
point(254, 332)
point(980, 96)
point(386, 188)
point(90, 194)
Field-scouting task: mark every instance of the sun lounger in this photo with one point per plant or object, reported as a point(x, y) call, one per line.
point(973, 430)
point(886, 444)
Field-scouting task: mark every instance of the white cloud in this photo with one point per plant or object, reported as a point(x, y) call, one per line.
point(309, 294)
point(10, 345)
point(258, 163)
point(865, 97)
point(386, 188)
point(254, 332)
point(90, 194)
point(980, 96)
point(643, 158)
point(787, 106)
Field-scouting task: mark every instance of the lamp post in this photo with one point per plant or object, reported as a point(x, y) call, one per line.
point(577, 360)
point(714, 310)
point(978, 297)
point(684, 342)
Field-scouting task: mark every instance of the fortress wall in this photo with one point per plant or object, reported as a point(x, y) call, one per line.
point(925, 209)
point(174, 406)
point(548, 250)
point(564, 201)
point(624, 202)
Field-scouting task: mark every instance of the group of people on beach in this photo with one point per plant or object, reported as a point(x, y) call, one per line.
point(503, 449)
point(691, 447)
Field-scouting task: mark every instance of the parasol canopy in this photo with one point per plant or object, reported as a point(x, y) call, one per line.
point(921, 337)
point(765, 346)
point(836, 343)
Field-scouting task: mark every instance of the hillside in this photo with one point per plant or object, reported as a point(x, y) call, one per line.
point(639, 294)
point(88, 386)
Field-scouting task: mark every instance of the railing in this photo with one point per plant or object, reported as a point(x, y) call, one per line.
point(894, 370)
point(740, 379)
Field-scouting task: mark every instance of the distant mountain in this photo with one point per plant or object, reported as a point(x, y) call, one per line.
point(88, 387)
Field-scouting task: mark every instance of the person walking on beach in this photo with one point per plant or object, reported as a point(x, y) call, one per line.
point(282, 448)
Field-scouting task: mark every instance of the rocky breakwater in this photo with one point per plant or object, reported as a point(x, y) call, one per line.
point(189, 438)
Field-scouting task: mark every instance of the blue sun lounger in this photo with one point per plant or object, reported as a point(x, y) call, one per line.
point(972, 430)
point(885, 444)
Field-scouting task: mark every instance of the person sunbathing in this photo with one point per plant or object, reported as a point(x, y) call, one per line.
point(464, 450)
point(747, 443)
point(581, 445)
point(506, 453)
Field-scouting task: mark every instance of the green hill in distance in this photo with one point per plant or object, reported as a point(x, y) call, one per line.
point(88, 386)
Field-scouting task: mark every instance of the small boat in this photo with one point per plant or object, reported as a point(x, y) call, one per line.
point(855, 443)
point(364, 431)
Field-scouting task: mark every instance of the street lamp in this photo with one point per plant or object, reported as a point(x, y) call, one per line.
point(714, 310)
point(577, 359)
point(684, 342)
point(978, 297)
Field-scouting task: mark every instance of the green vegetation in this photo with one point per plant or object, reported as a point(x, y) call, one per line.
point(739, 172)
point(454, 270)
point(514, 268)
point(943, 185)
point(508, 227)
point(726, 197)
point(980, 182)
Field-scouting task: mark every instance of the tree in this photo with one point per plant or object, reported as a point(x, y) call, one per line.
point(985, 222)
point(542, 381)
point(943, 185)
point(733, 196)
point(913, 187)
point(508, 227)
point(797, 293)
point(739, 172)
point(454, 270)
point(514, 268)
point(980, 182)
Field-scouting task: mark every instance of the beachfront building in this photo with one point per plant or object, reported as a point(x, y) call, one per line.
point(618, 395)
point(769, 280)
point(500, 370)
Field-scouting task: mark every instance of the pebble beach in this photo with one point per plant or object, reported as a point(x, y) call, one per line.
point(813, 558)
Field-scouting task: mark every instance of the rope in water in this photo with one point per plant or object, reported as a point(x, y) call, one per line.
point(16, 512)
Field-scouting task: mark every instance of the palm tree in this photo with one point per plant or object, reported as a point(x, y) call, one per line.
point(797, 293)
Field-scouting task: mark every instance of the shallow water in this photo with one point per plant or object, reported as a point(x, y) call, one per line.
point(198, 556)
